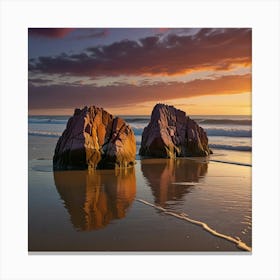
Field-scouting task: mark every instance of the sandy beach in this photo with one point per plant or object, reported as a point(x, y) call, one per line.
point(102, 210)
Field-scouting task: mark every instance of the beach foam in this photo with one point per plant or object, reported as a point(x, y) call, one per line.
point(184, 216)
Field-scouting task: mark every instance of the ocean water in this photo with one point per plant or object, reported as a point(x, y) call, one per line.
point(228, 135)
point(110, 210)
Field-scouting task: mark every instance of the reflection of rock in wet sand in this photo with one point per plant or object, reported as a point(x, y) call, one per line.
point(95, 198)
point(163, 174)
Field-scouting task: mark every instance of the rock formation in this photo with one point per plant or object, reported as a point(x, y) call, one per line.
point(94, 139)
point(171, 134)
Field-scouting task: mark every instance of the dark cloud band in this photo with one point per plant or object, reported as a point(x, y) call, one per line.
point(49, 32)
point(212, 49)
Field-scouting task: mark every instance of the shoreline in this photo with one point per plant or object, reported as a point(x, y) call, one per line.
point(203, 189)
point(240, 157)
point(184, 216)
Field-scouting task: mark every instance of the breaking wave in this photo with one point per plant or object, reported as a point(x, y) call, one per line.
point(221, 137)
point(44, 133)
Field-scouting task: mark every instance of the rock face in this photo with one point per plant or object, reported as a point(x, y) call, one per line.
point(171, 134)
point(94, 139)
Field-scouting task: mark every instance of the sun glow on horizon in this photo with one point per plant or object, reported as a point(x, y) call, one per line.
point(236, 104)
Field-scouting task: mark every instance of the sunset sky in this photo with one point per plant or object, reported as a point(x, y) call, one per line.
point(128, 70)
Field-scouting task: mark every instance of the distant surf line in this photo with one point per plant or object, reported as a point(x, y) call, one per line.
point(184, 216)
point(44, 133)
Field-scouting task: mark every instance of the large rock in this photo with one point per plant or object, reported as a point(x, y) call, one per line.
point(93, 138)
point(171, 134)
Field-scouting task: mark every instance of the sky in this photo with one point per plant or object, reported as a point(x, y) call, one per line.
point(126, 71)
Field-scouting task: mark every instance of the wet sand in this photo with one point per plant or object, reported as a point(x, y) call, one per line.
point(102, 210)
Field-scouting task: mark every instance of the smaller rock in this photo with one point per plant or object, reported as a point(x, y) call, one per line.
point(171, 134)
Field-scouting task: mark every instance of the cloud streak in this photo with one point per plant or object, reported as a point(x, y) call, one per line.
point(213, 49)
point(70, 96)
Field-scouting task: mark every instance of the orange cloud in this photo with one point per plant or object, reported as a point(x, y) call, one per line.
point(59, 96)
point(163, 29)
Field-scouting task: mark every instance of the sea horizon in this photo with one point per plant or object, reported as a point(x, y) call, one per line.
point(143, 115)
